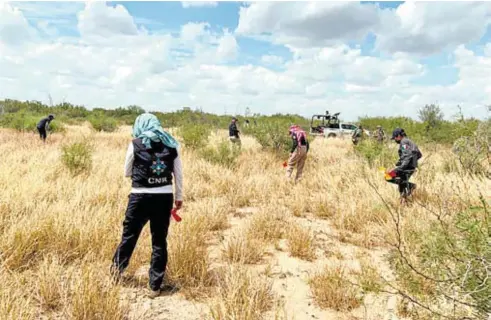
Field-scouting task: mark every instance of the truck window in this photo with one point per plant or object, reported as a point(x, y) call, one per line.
point(348, 126)
point(333, 125)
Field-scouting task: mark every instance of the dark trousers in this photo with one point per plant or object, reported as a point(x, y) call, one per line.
point(155, 208)
point(42, 133)
point(402, 180)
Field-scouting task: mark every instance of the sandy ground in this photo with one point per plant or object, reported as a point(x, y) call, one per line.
point(289, 275)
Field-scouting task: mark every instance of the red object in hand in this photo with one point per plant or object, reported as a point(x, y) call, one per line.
point(175, 215)
point(392, 173)
point(284, 164)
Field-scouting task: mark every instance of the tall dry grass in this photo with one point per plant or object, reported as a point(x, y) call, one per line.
point(62, 229)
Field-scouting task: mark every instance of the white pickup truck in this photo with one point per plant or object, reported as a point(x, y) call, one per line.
point(338, 130)
point(334, 130)
point(329, 126)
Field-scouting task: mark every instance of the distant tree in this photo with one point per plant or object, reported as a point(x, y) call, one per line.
point(432, 115)
point(135, 109)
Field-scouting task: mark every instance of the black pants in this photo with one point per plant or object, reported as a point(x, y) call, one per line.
point(142, 208)
point(42, 133)
point(402, 180)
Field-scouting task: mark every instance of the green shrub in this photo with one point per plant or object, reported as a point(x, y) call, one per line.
point(376, 154)
point(77, 157)
point(474, 151)
point(102, 123)
point(449, 260)
point(272, 136)
point(25, 122)
point(194, 136)
point(225, 154)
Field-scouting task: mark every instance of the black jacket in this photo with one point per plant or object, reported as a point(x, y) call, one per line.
point(152, 167)
point(409, 155)
point(43, 123)
point(232, 130)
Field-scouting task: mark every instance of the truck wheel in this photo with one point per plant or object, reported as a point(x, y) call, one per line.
point(331, 135)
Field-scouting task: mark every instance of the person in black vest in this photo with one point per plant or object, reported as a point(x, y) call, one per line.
point(409, 154)
point(43, 125)
point(233, 132)
point(152, 161)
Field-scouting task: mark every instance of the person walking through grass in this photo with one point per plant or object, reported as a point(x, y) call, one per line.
point(233, 132)
point(379, 134)
point(43, 126)
point(298, 153)
point(358, 135)
point(409, 154)
point(152, 161)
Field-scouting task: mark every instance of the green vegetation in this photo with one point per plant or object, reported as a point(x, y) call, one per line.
point(270, 131)
point(376, 154)
point(448, 260)
point(102, 123)
point(272, 134)
point(194, 136)
point(224, 154)
point(77, 157)
point(431, 129)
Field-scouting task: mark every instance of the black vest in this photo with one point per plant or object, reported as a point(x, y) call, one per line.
point(153, 167)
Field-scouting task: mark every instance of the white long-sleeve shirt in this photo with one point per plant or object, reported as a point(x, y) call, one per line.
point(128, 167)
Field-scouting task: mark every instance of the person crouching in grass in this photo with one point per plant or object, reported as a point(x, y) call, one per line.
point(152, 161)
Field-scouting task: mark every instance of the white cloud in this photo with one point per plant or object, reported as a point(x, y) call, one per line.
point(114, 63)
point(192, 31)
point(197, 4)
point(14, 28)
point(414, 27)
point(429, 27)
point(272, 59)
point(98, 19)
point(227, 47)
point(308, 24)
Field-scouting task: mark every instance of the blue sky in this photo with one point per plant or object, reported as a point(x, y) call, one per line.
point(170, 16)
point(389, 51)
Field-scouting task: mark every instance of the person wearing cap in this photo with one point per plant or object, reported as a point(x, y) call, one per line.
point(298, 152)
point(233, 131)
point(43, 126)
point(409, 154)
point(380, 134)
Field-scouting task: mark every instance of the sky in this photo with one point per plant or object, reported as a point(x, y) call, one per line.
point(358, 58)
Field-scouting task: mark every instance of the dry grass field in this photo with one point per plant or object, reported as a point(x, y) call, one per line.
point(250, 245)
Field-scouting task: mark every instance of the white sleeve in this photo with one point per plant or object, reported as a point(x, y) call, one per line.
point(128, 164)
point(178, 177)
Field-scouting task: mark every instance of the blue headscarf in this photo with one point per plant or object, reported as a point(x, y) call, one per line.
point(148, 128)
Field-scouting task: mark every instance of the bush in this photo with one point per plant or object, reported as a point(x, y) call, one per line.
point(26, 122)
point(376, 154)
point(473, 152)
point(102, 123)
point(449, 260)
point(272, 136)
point(225, 154)
point(77, 157)
point(194, 136)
